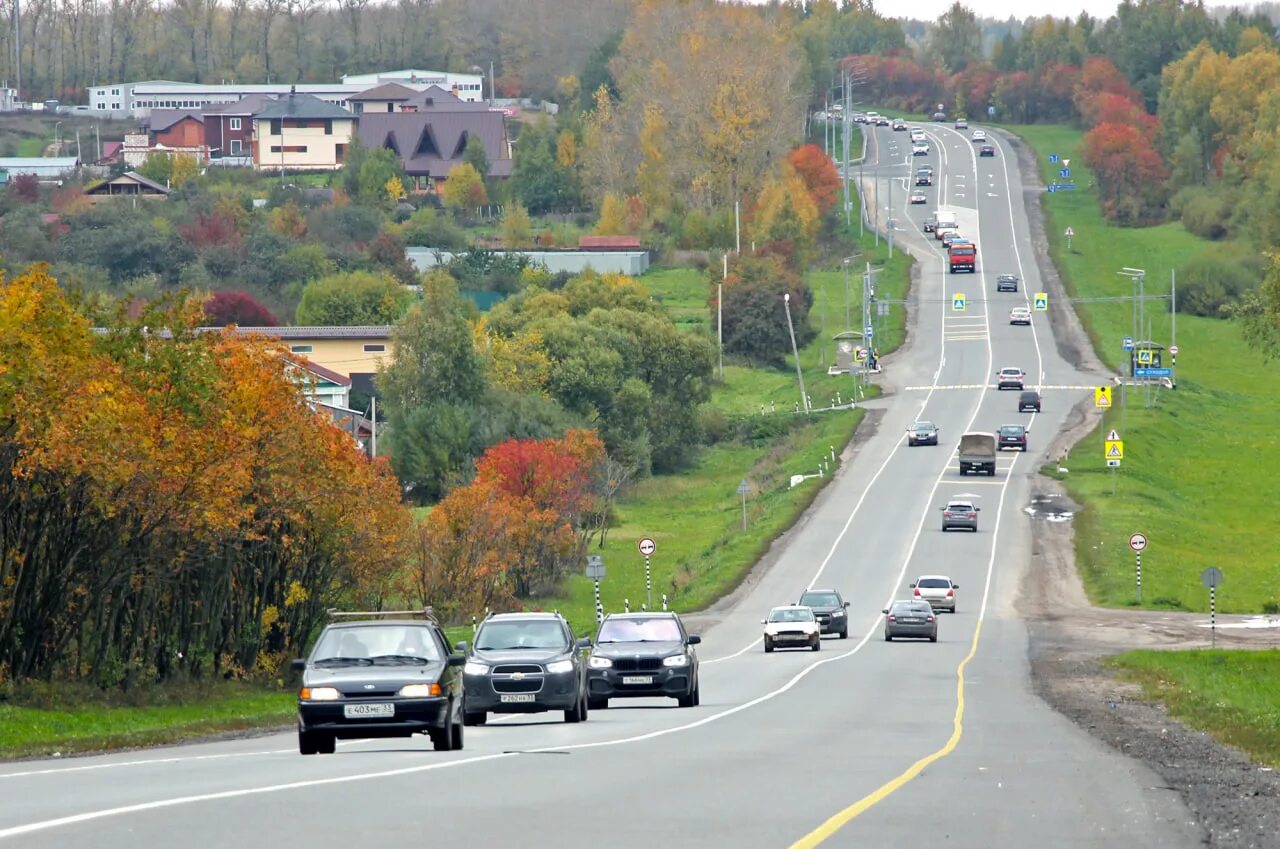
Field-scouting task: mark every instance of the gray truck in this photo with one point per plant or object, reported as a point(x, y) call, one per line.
point(978, 453)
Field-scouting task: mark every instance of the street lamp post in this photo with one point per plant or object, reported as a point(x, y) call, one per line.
point(57, 147)
point(786, 305)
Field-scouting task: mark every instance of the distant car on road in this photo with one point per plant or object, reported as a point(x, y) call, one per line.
point(922, 433)
point(792, 626)
point(830, 609)
point(1007, 283)
point(930, 223)
point(961, 124)
point(1012, 436)
point(938, 590)
point(919, 149)
point(940, 116)
point(979, 136)
point(917, 134)
point(945, 232)
point(918, 197)
point(1029, 400)
point(643, 654)
point(987, 150)
point(961, 515)
point(899, 125)
point(380, 678)
point(1010, 377)
point(910, 619)
point(950, 237)
point(924, 177)
point(882, 121)
point(1020, 315)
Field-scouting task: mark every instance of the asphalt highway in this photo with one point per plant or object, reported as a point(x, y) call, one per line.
point(865, 744)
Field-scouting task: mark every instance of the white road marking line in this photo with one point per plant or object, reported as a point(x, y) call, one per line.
point(142, 762)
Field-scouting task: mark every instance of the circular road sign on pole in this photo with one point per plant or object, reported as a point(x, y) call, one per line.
point(1211, 577)
point(647, 546)
point(1173, 349)
point(1138, 542)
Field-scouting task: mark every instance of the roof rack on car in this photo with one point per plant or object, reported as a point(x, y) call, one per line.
point(427, 613)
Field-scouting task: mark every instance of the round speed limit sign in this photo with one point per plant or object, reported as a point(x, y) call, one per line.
point(1138, 542)
point(647, 546)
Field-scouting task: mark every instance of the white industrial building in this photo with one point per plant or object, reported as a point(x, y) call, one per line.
point(136, 100)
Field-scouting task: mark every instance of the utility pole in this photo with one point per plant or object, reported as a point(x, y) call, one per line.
point(720, 314)
point(804, 397)
point(844, 123)
point(847, 325)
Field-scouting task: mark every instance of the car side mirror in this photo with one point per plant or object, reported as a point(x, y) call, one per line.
point(298, 663)
point(912, 586)
point(886, 610)
point(977, 509)
point(846, 605)
point(457, 660)
point(954, 585)
point(694, 640)
point(461, 647)
point(764, 621)
point(584, 643)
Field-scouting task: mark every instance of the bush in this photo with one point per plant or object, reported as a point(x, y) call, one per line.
point(238, 308)
point(1217, 277)
point(428, 228)
point(1206, 213)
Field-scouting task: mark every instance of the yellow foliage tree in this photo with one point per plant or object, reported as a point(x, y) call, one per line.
point(567, 148)
point(518, 363)
point(184, 169)
point(613, 216)
point(464, 188)
point(395, 190)
point(517, 229)
point(785, 212)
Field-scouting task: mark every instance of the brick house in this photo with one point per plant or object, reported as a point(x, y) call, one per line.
point(228, 127)
point(177, 132)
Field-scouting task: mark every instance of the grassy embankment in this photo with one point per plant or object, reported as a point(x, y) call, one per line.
point(1196, 460)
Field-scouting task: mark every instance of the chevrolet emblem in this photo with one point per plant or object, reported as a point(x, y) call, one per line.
point(517, 676)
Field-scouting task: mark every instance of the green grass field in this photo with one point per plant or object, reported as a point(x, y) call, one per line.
point(1195, 458)
point(1230, 694)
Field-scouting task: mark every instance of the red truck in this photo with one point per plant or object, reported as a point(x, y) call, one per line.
point(963, 256)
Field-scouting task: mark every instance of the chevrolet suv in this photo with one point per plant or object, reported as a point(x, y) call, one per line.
point(1011, 436)
point(525, 663)
point(830, 609)
point(638, 655)
point(379, 678)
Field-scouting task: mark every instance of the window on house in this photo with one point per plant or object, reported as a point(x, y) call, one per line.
point(300, 349)
point(391, 107)
point(374, 349)
point(236, 149)
point(275, 126)
point(115, 92)
point(339, 151)
point(359, 108)
point(115, 106)
point(235, 123)
point(328, 128)
point(289, 148)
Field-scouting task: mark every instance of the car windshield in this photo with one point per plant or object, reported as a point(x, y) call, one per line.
point(904, 607)
point(923, 426)
point(1030, 396)
point(377, 644)
point(521, 634)
point(1013, 430)
point(1008, 278)
point(960, 507)
point(934, 584)
point(1013, 371)
point(820, 600)
point(661, 629)
point(791, 614)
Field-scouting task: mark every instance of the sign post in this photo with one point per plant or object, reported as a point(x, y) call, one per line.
point(1138, 542)
point(1212, 578)
point(595, 571)
point(1069, 231)
point(743, 489)
point(647, 548)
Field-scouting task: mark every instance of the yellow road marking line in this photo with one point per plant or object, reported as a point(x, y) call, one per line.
point(823, 832)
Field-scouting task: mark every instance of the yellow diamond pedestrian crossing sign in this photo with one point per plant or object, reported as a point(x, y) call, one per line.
point(1041, 301)
point(957, 302)
point(1115, 449)
point(1144, 357)
point(1102, 397)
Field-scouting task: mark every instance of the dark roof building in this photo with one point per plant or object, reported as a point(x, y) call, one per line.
point(432, 141)
point(304, 106)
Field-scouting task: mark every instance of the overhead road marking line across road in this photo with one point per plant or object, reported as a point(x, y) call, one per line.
point(993, 386)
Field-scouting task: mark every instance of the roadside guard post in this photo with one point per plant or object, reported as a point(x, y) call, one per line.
point(595, 571)
point(1138, 542)
point(647, 548)
point(1212, 578)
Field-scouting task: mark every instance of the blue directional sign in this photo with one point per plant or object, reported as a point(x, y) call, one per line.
point(991, 110)
point(1152, 372)
point(1053, 158)
point(867, 331)
point(1060, 187)
point(1128, 343)
point(1064, 173)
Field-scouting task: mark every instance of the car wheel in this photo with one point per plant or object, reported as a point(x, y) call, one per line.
point(326, 744)
point(697, 694)
point(457, 736)
point(844, 635)
point(476, 718)
point(817, 644)
point(768, 645)
point(442, 738)
point(933, 638)
point(307, 743)
point(887, 638)
point(597, 704)
point(689, 699)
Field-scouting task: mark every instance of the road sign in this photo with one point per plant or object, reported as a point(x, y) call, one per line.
point(1173, 349)
point(991, 110)
point(1115, 449)
point(1113, 436)
point(1102, 397)
point(1144, 356)
point(1211, 577)
point(1069, 233)
point(647, 546)
point(1064, 173)
point(1138, 542)
point(1153, 372)
point(1128, 343)
point(1053, 158)
point(868, 331)
point(595, 567)
point(882, 308)
point(957, 302)
point(743, 489)
point(1066, 163)
point(860, 355)
point(1113, 464)
point(1041, 301)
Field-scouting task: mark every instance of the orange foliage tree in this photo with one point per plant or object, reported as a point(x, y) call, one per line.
point(819, 175)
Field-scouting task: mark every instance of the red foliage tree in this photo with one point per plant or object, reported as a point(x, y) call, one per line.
point(212, 228)
point(26, 187)
point(819, 175)
point(239, 308)
point(1130, 175)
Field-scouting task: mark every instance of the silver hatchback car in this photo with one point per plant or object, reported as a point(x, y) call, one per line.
point(960, 514)
point(910, 619)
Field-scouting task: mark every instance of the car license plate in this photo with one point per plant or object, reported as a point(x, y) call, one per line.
point(517, 697)
point(637, 679)
point(367, 711)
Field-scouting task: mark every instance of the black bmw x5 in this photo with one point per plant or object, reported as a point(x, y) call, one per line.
point(643, 654)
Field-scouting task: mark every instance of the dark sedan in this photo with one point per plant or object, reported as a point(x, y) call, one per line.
point(1029, 401)
point(389, 678)
point(639, 655)
point(1007, 283)
point(1012, 436)
point(987, 150)
point(830, 609)
point(922, 433)
point(910, 619)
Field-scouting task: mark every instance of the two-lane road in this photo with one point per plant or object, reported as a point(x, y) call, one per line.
point(865, 743)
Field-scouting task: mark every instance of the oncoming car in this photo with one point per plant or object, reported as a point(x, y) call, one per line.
point(792, 626)
point(525, 663)
point(380, 678)
point(643, 654)
point(918, 197)
point(829, 609)
point(922, 433)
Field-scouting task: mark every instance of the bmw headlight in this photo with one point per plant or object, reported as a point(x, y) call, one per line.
point(556, 666)
point(599, 662)
point(676, 660)
point(838, 613)
point(419, 691)
point(474, 667)
point(320, 694)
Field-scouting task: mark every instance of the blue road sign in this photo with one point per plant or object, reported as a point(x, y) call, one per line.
point(1053, 187)
point(1064, 173)
point(1042, 303)
point(868, 331)
point(991, 110)
point(1053, 158)
point(1061, 187)
point(1152, 372)
point(1128, 343)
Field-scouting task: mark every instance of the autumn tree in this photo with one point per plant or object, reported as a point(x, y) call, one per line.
point(184, 169)
point(819, 175)
point(353, 298)
point(755, 321)
point(464, 188)
point(515, 227)
point(238, 308)
point(1130, 173)
point(613, 216)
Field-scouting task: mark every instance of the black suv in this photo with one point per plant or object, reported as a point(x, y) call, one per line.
point(1011, 436)
point(379, 678)
point(829, 609)
point(525, 663)
point(1029, 400)
point(643, 654)
point(1007, 283)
